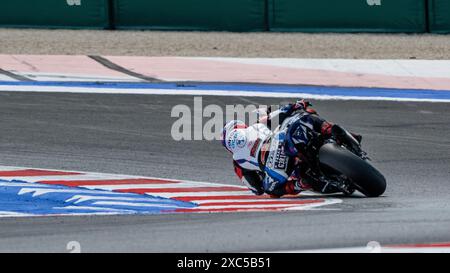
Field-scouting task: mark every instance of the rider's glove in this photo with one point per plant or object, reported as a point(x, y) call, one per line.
point(302, 104)
point(298, 105)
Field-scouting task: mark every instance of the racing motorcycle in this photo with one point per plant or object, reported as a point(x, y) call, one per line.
point(340, 161)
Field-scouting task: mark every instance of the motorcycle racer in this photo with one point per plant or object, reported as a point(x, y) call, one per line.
point(271, 162)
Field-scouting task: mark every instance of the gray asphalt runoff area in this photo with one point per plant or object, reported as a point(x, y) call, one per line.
point(130, 134)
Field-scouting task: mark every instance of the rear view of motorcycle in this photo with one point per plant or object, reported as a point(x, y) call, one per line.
point(337, 163)
point(343, 163)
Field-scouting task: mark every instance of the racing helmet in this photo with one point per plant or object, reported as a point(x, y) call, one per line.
point(233, 135)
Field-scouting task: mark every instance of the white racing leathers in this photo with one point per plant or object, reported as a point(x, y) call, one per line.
point(249, 142)
point(246, 144)
point(261, 162)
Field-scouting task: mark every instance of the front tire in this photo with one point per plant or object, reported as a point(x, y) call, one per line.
point(363, 175)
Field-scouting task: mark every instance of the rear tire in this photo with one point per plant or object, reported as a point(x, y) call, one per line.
point(363, 175)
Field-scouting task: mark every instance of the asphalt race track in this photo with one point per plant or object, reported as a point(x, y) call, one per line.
point(130, 134)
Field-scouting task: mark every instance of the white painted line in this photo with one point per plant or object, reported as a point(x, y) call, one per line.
point(74, 177)
point(149, 186)
point(59, 89)
point(251, 206)
point(268, 200)
point(9, 214)
point(21, 215)
point(94, 209)
point(314, 206)
point(134, 204)
point(38, 191)
point(83, 198)
point(10, 168)
point(14, 184)
point(6, 78)
point(184, 194)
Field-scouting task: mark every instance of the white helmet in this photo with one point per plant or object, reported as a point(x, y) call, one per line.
point(245, 142)
point(232, 135)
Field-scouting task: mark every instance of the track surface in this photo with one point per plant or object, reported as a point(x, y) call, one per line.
point(130, 134)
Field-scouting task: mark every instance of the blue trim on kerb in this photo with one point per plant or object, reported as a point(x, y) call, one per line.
point(272, 88)
point(21, 197)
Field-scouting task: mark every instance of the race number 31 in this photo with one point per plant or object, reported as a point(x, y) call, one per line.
point(73, 2)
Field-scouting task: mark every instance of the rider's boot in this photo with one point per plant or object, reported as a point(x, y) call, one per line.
point(294, 187)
